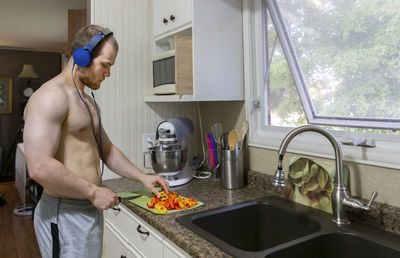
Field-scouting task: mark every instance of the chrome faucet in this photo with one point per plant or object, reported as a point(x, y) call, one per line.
point(340, 196)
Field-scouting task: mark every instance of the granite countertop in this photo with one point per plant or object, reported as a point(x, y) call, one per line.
point(211, 193)
point(208, 191)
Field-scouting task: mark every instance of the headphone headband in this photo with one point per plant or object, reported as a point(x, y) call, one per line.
point(97, 38)
point(83, 55)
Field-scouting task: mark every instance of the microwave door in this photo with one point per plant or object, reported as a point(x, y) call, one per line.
point(164, 76)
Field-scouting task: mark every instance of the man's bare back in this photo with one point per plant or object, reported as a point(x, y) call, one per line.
point(76, 148)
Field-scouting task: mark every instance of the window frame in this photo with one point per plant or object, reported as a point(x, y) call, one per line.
point(386, 152)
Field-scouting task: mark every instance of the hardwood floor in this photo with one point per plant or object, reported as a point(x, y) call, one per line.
point(17, 236)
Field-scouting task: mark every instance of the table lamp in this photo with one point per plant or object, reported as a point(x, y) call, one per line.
point(28, 72)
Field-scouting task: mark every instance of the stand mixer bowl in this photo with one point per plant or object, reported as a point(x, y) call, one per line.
point(168, 161)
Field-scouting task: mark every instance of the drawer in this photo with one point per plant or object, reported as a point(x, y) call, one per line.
point(113, 244)
point(130, 226)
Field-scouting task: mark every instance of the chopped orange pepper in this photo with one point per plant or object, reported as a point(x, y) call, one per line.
point(170, 201)
point(160, 208)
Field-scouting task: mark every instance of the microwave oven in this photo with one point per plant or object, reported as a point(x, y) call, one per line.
point(173, 70)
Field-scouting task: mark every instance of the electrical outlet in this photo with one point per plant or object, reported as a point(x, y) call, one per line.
point(147, 139)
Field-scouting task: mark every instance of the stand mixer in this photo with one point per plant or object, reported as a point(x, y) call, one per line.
point(169, 155)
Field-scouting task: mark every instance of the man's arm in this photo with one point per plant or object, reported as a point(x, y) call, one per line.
point(46, 111)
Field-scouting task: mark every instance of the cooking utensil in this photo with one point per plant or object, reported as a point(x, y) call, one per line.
point(224, 141)
point(244, 128)
point(217, 131)
point(127, 195)
point(233, 138)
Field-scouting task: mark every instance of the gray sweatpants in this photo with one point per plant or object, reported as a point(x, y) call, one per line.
point(68, 228)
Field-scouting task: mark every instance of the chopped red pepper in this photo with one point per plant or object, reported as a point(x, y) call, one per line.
point(170, 201)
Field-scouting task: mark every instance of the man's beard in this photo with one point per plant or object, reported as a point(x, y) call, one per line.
point(90, 84)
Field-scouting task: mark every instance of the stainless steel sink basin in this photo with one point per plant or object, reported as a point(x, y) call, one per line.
point(255, 226)
point(275, 227)
point(338, 244)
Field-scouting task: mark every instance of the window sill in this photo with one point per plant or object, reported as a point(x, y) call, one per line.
point(385, 154)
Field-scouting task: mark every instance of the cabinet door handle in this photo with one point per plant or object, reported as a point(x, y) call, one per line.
point(116, 209)
point(123, 256)
point(165, 21)
point(172, 18)
point(139, 229)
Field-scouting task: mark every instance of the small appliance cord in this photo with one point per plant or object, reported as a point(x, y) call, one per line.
point(202, 174)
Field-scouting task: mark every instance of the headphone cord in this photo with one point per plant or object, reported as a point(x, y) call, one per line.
point(100, 127)
point(99, 145)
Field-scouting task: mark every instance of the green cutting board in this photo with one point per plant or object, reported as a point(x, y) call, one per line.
point(145, 198)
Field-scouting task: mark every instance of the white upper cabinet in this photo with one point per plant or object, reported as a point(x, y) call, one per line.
point(217, 46)
point(169, 15)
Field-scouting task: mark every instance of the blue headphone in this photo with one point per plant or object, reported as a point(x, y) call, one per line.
point(83, 55)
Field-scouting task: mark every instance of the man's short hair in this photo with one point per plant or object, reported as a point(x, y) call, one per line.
point(86, 33)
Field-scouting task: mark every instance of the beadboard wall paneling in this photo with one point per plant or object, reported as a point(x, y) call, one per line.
point(125, 116)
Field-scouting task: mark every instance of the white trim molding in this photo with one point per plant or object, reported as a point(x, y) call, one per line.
point(385, 154)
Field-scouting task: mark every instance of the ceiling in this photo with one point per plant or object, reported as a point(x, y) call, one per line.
point(40, 25)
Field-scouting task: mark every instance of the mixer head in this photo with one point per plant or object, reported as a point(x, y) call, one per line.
point(173, 130)
point(166, 132)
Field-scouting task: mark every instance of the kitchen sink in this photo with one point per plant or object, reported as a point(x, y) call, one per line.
point(275, 227)
point(338, 244)
point(251, 226)
point(255, 226)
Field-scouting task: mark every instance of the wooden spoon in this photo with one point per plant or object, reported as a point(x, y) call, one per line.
point(243, 131)
point(233, 138)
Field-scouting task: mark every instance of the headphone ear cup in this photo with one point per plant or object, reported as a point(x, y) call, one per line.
point(82, 57)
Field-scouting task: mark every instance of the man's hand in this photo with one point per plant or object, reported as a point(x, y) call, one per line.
point(150, 182)
point(103, 198)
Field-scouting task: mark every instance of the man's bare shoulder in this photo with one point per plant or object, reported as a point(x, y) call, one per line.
point(50, 99)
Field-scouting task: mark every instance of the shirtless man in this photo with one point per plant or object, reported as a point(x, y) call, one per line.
point(63, 156)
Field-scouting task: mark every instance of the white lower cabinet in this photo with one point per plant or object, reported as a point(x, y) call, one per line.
point(127, 235)
point(116, 246)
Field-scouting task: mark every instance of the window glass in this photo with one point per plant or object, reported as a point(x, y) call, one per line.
point(348, 53)
point(283, 103)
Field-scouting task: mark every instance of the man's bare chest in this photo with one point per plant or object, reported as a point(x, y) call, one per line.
point(82, 120)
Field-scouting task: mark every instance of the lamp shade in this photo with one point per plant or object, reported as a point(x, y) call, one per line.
point(28, 72)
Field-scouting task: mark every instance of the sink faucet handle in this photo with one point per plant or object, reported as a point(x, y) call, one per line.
point(373, 196)
point(351, 202)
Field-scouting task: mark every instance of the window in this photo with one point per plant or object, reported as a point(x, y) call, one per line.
point(344, 58)
point(330, 63)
